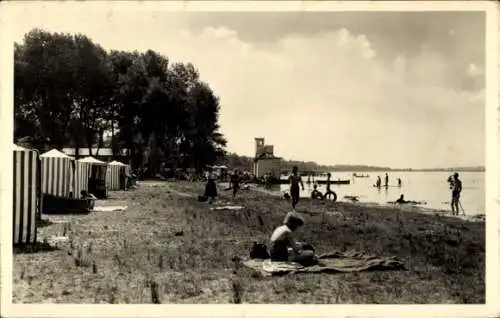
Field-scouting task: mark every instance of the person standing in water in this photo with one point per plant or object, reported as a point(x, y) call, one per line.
point(386, 180)
point(456, 189)
point(399, 182)
point(329, 191)
point(294, 186)
point(379, 182)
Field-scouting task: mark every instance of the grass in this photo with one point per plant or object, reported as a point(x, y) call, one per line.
point(168, 248)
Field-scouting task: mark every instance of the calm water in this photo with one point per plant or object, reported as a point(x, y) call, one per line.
point(430, 187)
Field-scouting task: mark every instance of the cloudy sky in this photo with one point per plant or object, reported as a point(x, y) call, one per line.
point(388, 88)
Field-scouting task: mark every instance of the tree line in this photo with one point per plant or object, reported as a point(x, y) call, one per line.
point(69, 91)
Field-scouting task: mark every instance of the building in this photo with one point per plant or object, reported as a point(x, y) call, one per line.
point(265, 160)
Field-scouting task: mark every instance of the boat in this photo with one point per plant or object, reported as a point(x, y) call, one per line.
point(356, 175)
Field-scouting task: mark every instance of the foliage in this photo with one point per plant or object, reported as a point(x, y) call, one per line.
point(70, 92)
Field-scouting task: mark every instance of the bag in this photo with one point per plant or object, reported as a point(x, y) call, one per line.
point(259, 251)
point(202, 198)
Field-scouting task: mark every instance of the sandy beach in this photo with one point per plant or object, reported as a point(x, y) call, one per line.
point(167, 247)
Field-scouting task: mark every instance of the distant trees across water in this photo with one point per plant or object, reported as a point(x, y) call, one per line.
point(70, 91)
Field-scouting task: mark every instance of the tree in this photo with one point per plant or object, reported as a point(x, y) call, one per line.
point(69, 91)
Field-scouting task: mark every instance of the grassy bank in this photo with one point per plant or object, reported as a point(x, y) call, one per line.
point(169, 248)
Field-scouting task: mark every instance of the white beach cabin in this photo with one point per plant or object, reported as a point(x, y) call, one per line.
point(113, 173)
point(57, 174)
point(95, 171)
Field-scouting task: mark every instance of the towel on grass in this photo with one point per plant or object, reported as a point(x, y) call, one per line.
point(228, 207)
point(336, 262)
point(110, 208)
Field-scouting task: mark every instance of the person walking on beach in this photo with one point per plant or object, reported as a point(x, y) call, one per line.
point(210, 187)
point(235, 182)
point(386, 180)
point(456, 189)
point(295, 179)
point(329, 191)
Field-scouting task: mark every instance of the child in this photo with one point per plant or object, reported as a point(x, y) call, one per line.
point(283, 246)
point(316, 194)
point(90, 197)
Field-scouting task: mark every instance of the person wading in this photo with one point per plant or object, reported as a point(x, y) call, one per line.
point(329, 191)
point(294, 186)
point(456, 189)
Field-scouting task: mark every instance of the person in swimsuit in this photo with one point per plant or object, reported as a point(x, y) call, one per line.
point(294, 186)
point(379, 182)
point(284, 247)
point(456, 189)
point(399, 182)
point(386, 180)
point(235, 182)
point(316, 194)
point(329, 191)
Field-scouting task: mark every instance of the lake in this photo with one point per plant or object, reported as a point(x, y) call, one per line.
point(430, 187)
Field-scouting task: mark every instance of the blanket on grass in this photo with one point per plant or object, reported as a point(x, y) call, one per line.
point(110, 208)
point(228, 207)
point(336, 262)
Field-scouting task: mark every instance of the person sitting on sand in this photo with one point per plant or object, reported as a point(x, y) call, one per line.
point(283, 246)
point(90, 197)
point(210, 187)
point(316, 194)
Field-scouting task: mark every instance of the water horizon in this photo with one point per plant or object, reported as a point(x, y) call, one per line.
point(429, 186)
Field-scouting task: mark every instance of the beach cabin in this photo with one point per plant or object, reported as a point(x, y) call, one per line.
point(115, 175)
point(26, 195)
point(62, 184)
point(96, 170)
point(57, 174)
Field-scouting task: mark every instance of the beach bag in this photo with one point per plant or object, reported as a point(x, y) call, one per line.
point(259, 251)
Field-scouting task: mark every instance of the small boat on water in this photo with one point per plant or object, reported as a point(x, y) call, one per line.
point(357, 175)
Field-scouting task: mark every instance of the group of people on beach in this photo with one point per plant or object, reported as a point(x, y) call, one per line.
point(283, 246)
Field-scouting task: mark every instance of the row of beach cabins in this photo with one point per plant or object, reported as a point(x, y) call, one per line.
point(53, 182)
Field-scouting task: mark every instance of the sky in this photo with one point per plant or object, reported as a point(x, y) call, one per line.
point(397, 89)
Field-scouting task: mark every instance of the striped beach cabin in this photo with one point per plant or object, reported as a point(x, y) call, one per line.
point(84, 172)
point(26, 195)
point(57, 174)
point(113, 173)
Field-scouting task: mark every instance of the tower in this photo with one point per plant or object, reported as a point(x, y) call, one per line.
point(259, 146)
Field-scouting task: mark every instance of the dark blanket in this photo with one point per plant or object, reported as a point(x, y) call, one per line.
point(337, 262)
